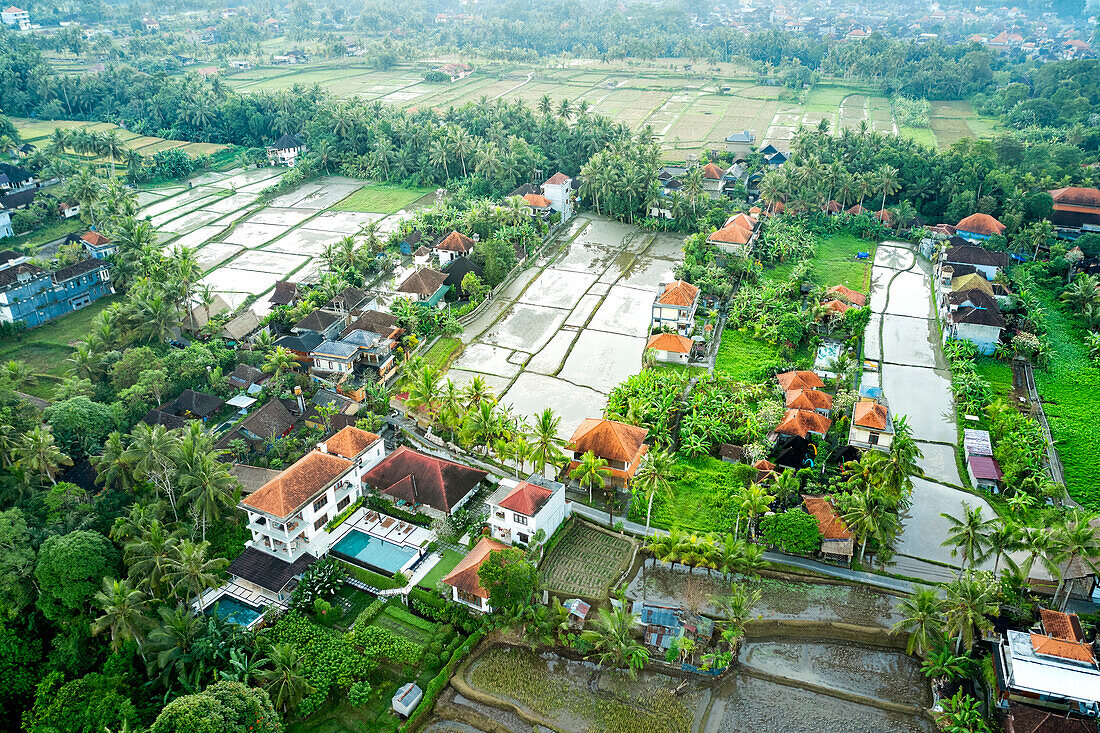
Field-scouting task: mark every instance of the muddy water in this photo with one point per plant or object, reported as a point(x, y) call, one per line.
point(781, 599)
point(745, 704)
point(879, 673)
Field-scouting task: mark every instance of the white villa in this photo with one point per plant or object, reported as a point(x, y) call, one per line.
point(675, 307)
point(517, 510)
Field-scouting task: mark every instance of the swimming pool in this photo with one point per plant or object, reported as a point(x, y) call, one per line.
point(374, 552)
point(234, 611)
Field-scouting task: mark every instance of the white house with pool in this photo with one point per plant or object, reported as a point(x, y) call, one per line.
point(287, 517)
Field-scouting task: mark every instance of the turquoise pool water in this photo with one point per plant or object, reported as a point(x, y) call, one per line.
point(234, 611)
point(375, 552)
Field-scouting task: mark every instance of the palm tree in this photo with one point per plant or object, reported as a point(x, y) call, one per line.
point(113, 148)
point(1039, 234)
point(591, 471)
point(124, 612)
point(483, 424)
point(565, 109)
point(1082, 293)
point(424, 390)
point(283, 681)
point(1073, 541)
point(190, 572)
point(970, 599)
point(150, 556)
point(151, 449)
point(869, 515)
point(887, 179)
point(897, 472)
point(968, 535)
point(39, 455)
point(737, 606)
point(279, 362)
point(546, 105)
point(173, 641)
point(477, 391)
point(613, 642)
point(113, 468)
point(1003, 539)
point(753, 501)
point(693, 186)
point(922, 619)
point(651, 479)
point(545, 441)
point(205, 482)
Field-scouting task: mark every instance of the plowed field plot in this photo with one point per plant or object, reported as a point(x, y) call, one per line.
point(586, 561)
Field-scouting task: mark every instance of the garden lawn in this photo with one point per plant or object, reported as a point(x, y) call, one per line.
point(741, 356)
point(997, 373)
point(32, 240)
point(398, 620)
point(1071, 402)
point(835, 262)
point(442, 353)
point(46, 349)
point(444, 566)
point(698, 485)
point(380, 199)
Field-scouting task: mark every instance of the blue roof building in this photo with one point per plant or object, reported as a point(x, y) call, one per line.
point(32, 295)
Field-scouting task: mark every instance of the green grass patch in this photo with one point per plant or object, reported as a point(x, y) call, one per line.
point(32, 240)
point(1071, 402)
point(997, 373)
point(444, 566)
point(835, 262)
point(357, 600)
point(698, 487)
point(395, 618)
point(380, 199)
point(740, 355)
point(442, 353)
point(922, 135)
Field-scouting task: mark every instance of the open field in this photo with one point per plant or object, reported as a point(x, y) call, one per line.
point(37, 132)
point(585, 561)
point(955, 120)
point(699, 489)
point(381, 199)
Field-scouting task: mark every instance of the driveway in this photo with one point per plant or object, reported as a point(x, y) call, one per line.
point(914, 376)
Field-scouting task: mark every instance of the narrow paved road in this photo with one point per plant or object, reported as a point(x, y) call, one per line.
point(903, 339)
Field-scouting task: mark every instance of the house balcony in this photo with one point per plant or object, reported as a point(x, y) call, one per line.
point(284, 532)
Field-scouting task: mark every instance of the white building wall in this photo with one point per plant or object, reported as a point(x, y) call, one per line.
point(511, 525)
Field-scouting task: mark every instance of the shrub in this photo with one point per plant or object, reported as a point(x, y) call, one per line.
point(793, 531)
point(359, 693)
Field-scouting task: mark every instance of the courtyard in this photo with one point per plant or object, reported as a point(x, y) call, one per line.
point(565, 332)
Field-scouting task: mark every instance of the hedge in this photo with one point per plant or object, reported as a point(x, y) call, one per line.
point(793, 531)
point(437, 683)
point(381, 505)
point(402, 614)
point(381, 582)
point(342, 516)
point(370, 612)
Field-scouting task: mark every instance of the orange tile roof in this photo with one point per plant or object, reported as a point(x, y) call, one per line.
point(670, 342)
point(464, 576)
point(808, 399)
point(1074, 196)
point(95, 239)
point(539, 202)
point(608, 439)
point(857, 210)
point(679, 293)
point(557, 179)
point(350, 442)
point(981, 224)
point(837, 307)
point(831, 526)
point(1051, 647)
point(527, 498)
point(1064, 626)
point(867, 414)
point(732, 234)
point(284, 495)
point(713, 172)
point(456, 242)
point(799, 380)
point(852, 296)
point(802, 423)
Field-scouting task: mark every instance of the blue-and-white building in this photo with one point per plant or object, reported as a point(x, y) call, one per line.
point(32, 295)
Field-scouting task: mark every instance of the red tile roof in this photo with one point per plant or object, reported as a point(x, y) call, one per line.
point(456, 242)
point(527, 498)
point(539, 202)
point(837, 307)
point(713, 172)
point(422, 479)
point(1051, 647)
point(557, 179)
point(845, 293)
point(1065, 626)
point(732, 234)
point(857, 210)
point(283, 496)
point(799, 380)
point(1074, 196)
point(831, 526)
point(464, 576)
point(680, 293)
point(871, 415)
point(95, 239)
point(808, 399)
point(802, 423)
point(614, 441)
point(350, 442)
point(980, 224)
point(670, 342)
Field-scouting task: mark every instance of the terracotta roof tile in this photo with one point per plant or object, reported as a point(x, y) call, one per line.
point(350, 442)
point(802, 423)
point(539, 202)
point(1048, 646)
point(808, 399)
point(799, 380)
point(298, 484)
point(608, 439)
point(557, 179)
point(527, 498)
point(1060, 625)
point(464, 576)
point(981, 224)
point(670, 342)
point(679, 293)
point(1074, 196)
point(831, 526)
point(713, 172)
point(837, 307)
point(732, 234)
point(845, 293)
point(456, 242)
point(872, 415)
point(423, 479)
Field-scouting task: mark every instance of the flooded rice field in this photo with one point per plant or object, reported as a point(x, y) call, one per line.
point(766, 692)
point(782, 599)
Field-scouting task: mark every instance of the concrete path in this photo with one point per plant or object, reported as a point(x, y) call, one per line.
point(915, 377)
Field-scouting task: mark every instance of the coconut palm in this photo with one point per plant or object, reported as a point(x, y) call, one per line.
point(736, 608)
point(651, 479)
point(1074, 541)
point(591, 472)
point(284, 682)
point(970, 599)
point(124, 612)
point(151, 449)
point(1082, 293)
point(278, 362)
point(113, 468)
point(1003, 539)
point(149, 558)
point(173, 642)
point(968, 535)
point(424, 390)
point(205, 482)
point(922, 619)
point(191, 573)
point(887, 179)
point(37, 453)
point(901, 465)
point(613, 642)
point(752, 501)
point(545, 441)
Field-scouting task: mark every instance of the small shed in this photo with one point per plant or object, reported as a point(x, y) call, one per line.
point(977, 442)
point(406, 699)
point(985, 472)
point(578, 612)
